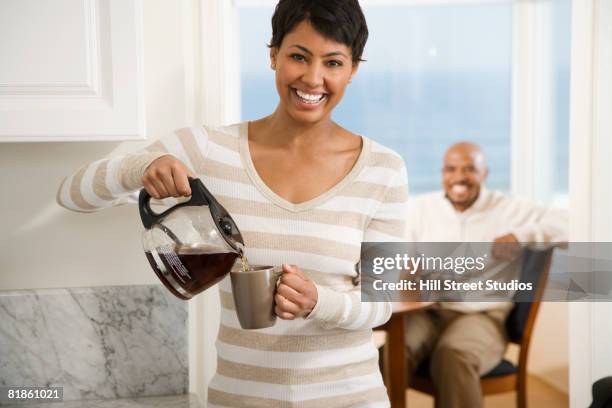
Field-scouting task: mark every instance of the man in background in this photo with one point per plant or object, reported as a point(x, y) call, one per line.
point(466, 340)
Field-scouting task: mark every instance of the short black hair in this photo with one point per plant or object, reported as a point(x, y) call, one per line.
point(340, 20)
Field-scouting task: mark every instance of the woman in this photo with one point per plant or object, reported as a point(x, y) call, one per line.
point(305, 193)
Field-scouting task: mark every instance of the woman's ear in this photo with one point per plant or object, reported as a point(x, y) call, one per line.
point(273, 57)
point(354, 71)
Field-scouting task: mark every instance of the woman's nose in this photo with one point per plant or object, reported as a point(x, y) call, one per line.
point(313, 76)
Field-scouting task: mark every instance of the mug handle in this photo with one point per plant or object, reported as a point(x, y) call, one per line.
point(278, 272)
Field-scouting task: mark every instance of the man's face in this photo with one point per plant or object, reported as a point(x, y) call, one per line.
point(462, 174)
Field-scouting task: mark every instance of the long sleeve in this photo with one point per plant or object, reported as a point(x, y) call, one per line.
point(109, 182)
point(345, 310)
point(540, 224)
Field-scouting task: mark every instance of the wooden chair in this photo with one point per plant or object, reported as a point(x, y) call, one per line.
point(506, 376)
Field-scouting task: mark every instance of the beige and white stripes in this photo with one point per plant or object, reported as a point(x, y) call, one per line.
point(327, 359)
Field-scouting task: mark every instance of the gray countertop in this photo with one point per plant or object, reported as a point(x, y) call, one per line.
point(173, 401)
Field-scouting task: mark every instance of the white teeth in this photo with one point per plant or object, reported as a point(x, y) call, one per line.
point(459, 189)
point(309, 98)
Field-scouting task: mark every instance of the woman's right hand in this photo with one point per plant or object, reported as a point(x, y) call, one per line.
point(167, 177)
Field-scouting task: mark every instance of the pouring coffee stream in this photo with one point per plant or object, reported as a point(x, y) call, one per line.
point(189, 248)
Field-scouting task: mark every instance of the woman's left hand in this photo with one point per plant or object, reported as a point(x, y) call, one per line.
point(296, 295)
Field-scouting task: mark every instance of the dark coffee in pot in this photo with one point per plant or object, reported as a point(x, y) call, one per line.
point(187, 271)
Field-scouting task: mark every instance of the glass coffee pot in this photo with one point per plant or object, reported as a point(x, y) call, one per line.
point(192, 245)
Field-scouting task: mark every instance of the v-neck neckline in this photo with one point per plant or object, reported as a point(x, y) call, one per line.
point(262, 187)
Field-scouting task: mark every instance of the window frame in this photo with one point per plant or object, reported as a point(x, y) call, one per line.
point(532, 127)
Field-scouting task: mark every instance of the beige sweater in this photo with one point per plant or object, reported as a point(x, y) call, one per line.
point(432, 218)
point(328, 359)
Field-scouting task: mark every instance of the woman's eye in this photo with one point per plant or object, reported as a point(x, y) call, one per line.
point(297, 57)
point(334, 63)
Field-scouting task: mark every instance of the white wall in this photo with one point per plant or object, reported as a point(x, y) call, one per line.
point(590, 327)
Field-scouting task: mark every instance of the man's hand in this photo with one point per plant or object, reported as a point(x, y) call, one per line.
point(167, 177)
point(506, 247)
point(296, 295)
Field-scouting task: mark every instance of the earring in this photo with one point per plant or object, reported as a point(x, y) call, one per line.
point(273, 66)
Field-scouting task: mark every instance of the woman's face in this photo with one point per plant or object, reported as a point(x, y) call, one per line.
point(312, 73)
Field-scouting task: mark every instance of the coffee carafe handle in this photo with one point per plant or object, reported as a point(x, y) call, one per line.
point(199, 196)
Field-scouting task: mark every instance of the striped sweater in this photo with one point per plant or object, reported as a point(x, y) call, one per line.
point(327, 359)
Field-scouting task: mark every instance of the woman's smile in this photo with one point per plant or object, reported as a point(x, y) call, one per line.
point(308, 100)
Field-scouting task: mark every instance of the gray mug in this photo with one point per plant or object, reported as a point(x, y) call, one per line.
point(254, 292)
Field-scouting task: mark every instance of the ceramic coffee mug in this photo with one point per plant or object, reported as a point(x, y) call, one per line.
point(254, 292)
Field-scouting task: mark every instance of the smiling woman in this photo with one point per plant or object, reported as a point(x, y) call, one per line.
point(312, 73)
point(305, 193)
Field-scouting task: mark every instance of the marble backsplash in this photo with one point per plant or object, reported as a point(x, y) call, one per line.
point(97, 343)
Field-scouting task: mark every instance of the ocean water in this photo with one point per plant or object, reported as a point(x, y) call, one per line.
point(418, 116)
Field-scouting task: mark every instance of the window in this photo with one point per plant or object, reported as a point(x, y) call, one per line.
point(435, 74)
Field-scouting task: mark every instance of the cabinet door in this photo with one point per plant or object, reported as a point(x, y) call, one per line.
point(71, 70)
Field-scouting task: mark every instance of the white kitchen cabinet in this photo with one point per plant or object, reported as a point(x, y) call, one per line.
point(71, 70)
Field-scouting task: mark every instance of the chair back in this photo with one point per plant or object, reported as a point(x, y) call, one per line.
point(535, 268)
point(602, 393)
